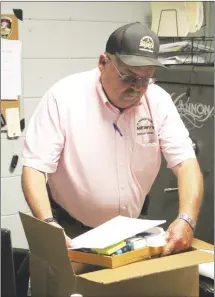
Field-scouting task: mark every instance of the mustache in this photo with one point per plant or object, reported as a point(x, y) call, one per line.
point(132, 92)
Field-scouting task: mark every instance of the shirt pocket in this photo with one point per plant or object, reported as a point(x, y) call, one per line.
point(145, 156)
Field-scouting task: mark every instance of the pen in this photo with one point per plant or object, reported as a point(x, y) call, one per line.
point(117, 129)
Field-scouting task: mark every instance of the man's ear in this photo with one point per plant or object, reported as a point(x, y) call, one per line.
point(102, 62)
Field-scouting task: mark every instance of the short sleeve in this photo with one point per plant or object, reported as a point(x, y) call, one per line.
point(175, 142)
point(44, 140)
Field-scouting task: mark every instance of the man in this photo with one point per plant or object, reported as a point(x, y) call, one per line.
point(98, 136)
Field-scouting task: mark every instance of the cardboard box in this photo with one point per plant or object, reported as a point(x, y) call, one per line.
point(53, 275)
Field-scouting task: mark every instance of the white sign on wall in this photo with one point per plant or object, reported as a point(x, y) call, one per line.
point(195, 114)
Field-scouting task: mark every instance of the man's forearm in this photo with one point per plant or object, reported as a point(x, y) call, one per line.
point(190, 187)
point(34, 189)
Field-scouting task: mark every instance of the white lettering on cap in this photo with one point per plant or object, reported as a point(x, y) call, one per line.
point(146, 44)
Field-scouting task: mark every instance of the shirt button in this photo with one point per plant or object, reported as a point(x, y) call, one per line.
point(124, 207)
point(121, 188)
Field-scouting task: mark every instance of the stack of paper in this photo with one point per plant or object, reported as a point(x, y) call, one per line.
point(186, 51)
point(10, 69)
point(196, 16)
point(207, 269)
point(113, 231)
point(184, 46)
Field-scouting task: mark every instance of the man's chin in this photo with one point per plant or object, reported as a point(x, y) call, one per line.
point(129, 103)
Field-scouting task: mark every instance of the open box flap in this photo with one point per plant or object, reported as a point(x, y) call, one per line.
point(199, 244)
point(46, 242)
point(148, 267)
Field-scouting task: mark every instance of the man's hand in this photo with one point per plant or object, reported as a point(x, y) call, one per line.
point(179, 237)
point(67, 238)
point(68, 241)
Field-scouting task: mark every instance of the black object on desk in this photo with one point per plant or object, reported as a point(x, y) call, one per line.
point(206, 286)
point(14, 268)
point(8, 283)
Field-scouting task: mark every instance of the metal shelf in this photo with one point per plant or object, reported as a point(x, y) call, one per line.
point(187, 50)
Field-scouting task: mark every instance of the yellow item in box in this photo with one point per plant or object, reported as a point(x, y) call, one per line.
point(110, 249)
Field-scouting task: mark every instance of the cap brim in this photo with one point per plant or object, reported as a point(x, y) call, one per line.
point(132, 60)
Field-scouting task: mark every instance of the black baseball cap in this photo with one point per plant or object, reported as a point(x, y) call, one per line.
point(135, 45)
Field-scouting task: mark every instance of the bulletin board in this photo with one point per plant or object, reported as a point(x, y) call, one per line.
point(10, 31)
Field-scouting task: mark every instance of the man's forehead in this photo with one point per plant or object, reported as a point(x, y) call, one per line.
point(134, 69)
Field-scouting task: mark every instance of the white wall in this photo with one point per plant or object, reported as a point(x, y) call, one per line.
point(59, 38)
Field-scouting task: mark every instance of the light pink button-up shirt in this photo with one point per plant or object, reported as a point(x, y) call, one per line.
point(95, 171)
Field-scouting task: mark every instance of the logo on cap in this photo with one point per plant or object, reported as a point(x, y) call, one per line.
point(146, 44)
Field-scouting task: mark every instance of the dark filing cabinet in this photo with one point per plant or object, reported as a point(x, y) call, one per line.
point(192, 90)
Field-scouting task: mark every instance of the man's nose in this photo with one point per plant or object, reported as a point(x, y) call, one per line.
point(137, 85)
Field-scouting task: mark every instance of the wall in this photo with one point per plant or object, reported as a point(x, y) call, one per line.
point(59, 38)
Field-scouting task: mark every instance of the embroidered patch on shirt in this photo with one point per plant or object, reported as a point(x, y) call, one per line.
point(145, 126)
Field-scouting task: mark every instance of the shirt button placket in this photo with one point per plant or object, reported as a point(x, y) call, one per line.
point(121, 171)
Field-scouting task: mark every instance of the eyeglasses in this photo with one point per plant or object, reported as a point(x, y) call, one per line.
point(130, 79)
